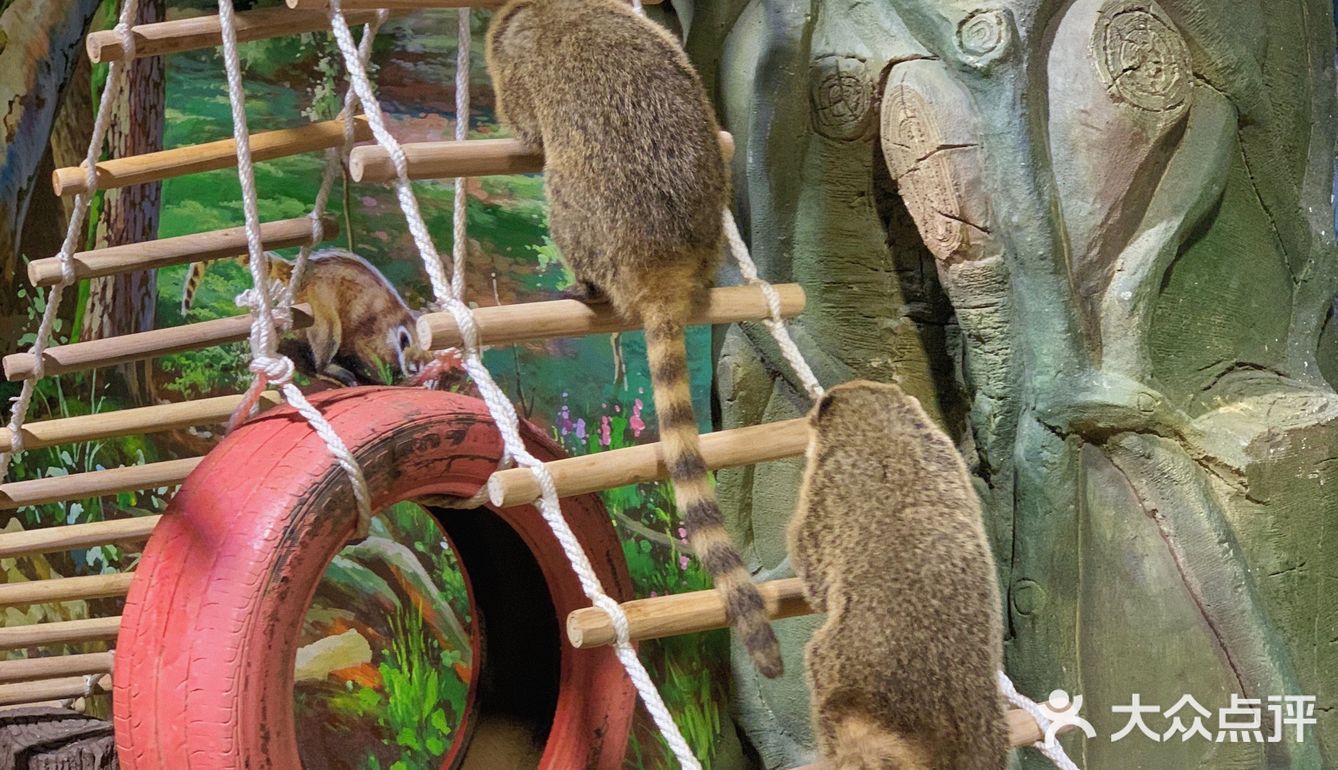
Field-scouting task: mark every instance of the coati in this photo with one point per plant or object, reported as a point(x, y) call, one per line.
point(636, 185)
point(362, 332)
point(889, 541)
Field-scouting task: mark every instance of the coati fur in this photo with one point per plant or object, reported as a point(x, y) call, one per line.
point(362, 331)
point(637, 187)
point(889, 541)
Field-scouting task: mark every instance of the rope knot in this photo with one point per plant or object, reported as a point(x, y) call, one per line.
point(276, 370)
point(127, 39)
point(280, 303)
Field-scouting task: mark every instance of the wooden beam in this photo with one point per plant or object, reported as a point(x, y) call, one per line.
point(65, 589)
point(134, 347)
point(165, 252)
point(676, 614)
point(61, 632)
point(69, 537)
point(50, 689)
point(129, 422)
point(1022, 731)
point(474, 157)
point(533, 321)
point(78, 486)
point(53, 666)
point(179, 35)
point(195, 158)
point(632, 465)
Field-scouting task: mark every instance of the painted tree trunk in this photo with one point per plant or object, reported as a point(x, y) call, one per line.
point(1097, 237)
point(126, 303)
point(39, 41)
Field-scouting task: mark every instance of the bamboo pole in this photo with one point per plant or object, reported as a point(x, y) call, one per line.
point(70, 537)
point(398, 5)
point(605, 470)
point(133, 347)
point(686, 613)
point(51, 689)
point(533, 321)
point(53, 666)
point(165, 37)
point(65, 589)
point(78, 486)
point(128, 422)
point(439, 160)
point(195, 158)
point(61, 632)
point(165, 252)
point(473, 157)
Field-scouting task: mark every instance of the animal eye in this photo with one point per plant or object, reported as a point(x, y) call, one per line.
point(406, 341)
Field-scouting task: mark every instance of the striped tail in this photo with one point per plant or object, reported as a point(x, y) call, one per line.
point(191, 284)
point(667, 350)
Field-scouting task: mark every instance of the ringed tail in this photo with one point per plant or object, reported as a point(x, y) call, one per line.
point(863, 744)
point(666, 348)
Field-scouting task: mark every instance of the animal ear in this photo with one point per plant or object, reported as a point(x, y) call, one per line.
point(825, 405)
point(503, 18)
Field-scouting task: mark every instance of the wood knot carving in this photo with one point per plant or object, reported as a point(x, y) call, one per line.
point(912, 144)
point(1141, 56)
point(984, 35)
point(841, 92)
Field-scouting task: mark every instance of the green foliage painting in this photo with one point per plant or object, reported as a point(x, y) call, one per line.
point(388, 656)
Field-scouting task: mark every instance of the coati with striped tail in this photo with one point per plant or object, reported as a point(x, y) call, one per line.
point(889, 541)
point(637, 187)
point(362, 332)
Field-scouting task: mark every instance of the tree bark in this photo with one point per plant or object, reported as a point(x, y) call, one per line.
point(126, 303)
point(42, 43)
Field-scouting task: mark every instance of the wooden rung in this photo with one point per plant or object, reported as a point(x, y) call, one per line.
point(399, 5)
point(51, 667)
point(533, 321)
point(78, 486)
point(195, 158)
point(133, 347)
point(165, 252)
point(61, 632)
point(474, 157)
point(675, 614)
point(50, 689)
point(616, 468)
point(698, 611)
point(70, 537)
point(65, 589)
point(128, 422)
point(179, 35)
point(1022, 731)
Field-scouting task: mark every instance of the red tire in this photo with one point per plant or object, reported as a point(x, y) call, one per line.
point(204, 669)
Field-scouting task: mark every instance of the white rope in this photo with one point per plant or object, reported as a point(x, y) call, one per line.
point(74, 231)
point(335, 158)
point(775, 324)
point(460, 234)
point(267, 364)
point(1050, 749)
point(449, 295)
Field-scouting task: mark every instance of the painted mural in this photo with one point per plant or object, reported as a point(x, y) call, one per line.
point(389, 647)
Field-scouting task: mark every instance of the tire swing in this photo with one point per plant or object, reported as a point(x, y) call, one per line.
point(210, 628)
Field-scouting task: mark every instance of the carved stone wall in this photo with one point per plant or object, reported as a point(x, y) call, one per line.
point(1095, 237)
